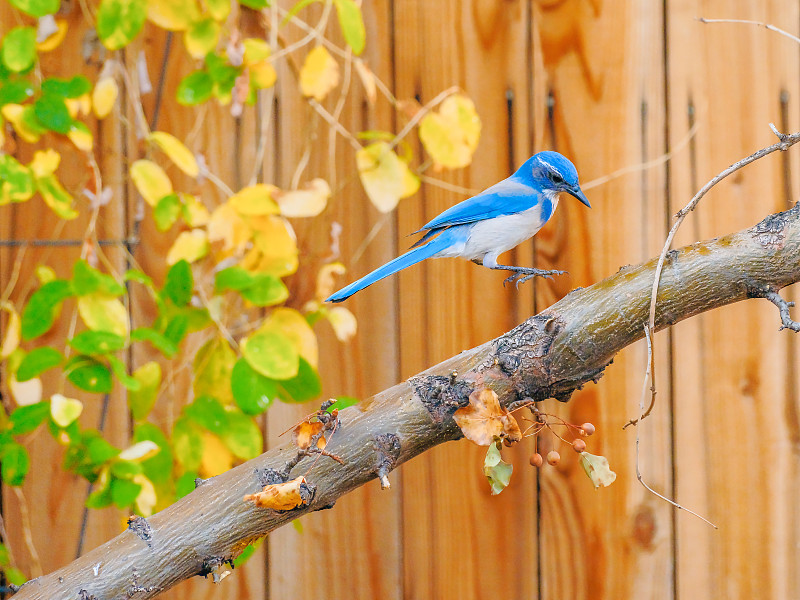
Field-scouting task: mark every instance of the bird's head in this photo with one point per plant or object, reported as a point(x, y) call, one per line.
point(551, 171)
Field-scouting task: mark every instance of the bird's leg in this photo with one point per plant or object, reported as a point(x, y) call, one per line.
point(522, 274)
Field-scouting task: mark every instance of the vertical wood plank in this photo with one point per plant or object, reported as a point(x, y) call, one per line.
point(604, 67)
point(54, 498)
point(359, 541)
point(456, 536)
point(733, 407)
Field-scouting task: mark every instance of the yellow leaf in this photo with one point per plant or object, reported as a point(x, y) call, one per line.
point(140, 451)
point(147, 498)
point(81, 137)
point(103, 312)
point(497, 471)
point(216, 457)
point(255, 200)
point(64, 410)
point(81, 104)
point(226, 226)
point(308, 202)
point(44, 274)
point(255, 50)
point(597, 469)
point(172, 15)
point(201, 37)
point(343, 322)
point(177, 152)
point(54, 39)
point(195, 212)
point(44, 163)
point(151, 181)
point(189, 246)
point(263, 75)
point(451, 135)
point(274, 246)
point(483, 420)
point(12, 335)
point(280, 496)
point(385, 177)
point(212, 367)
point(294, 326)
point(319, 74)
point(326, 282)
point(27, 392)
point(104, 96)
point(15, 114)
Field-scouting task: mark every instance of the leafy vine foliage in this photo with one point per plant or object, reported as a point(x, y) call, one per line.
point(225, 257)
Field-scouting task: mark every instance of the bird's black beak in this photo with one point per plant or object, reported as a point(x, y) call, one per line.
point(578, 193)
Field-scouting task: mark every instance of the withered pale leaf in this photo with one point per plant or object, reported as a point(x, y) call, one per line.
point(279, 496)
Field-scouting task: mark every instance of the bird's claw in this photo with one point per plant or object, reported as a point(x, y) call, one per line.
point(523, 276)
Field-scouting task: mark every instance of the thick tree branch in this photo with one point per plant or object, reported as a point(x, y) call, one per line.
point(549, 355)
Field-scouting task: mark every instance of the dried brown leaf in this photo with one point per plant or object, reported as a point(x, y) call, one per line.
point(279, 496)
point(483, 420)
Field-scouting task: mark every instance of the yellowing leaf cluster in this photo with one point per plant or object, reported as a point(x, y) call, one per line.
point(385, 176)
point(451, 135)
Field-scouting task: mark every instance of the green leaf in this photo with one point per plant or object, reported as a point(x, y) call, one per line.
point(352, 24)
point(167, 211)
point(207, 412)
point(124, 492)
point(38, 361)
point(272, 354)
point(242, 436)
point(248, 551)
point(159, 341)
point(305, 386)
point(19, 49)
point(255, 4)
point(97, 342)
point(177, 328)
point(75, 87)
point(195, 88)
point(232, 278)
point(119, 21)
point(25, 419)
point(267, 290)
point(212, 368)
point(252, 391)
point(343, 402)
point(52, 112)
point(44, 305)
point(187, 443)
point(87, 374)
point(179, 284)
point(137, 276)
point(296, 9)
point(14, 576)
point(15, 463)
point(16, 180)
point(141, 401)
point(36, 8)
point(100, 498)
point(497, 471)
point(126, 469)
point(121, 371)
point(98, 449)
point(15, 92)
point(158, 468)
point(87, 280)
point(185, 484)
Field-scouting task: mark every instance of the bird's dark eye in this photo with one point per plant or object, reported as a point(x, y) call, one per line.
point(556, 178)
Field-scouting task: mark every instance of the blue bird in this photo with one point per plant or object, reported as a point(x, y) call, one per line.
point(485, 226)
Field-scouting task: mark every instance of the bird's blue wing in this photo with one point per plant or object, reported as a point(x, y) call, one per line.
point(508, 197)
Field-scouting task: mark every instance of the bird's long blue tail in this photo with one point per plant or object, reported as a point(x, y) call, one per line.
point(411, 257)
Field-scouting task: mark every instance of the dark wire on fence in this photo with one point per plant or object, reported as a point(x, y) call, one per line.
point(17, 243)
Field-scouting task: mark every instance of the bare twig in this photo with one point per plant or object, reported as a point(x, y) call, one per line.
point(748, 22)
point(652, 390)
point(27, 528)
point(783, 306)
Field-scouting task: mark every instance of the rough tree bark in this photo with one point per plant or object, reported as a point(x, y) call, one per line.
point(549, 355)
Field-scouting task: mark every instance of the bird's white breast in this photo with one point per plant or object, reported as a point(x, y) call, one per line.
point(498, 235)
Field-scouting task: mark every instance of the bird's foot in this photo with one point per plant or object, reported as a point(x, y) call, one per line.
point(523, 274)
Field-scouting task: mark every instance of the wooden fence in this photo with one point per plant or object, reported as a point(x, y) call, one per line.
point(612, 85)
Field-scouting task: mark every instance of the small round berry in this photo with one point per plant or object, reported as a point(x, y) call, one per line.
point(536, 460)
point(588, 428)
point(579, 445)
point(553, 458)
